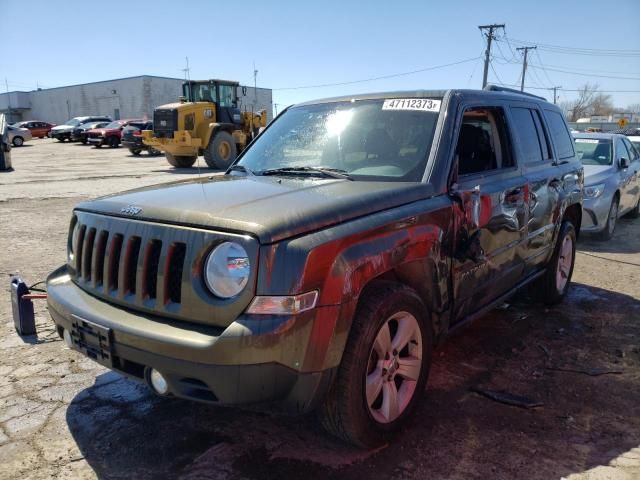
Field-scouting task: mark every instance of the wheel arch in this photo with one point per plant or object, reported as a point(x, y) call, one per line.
point(573, 213)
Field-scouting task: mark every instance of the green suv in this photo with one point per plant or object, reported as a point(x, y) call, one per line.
point(320, 270)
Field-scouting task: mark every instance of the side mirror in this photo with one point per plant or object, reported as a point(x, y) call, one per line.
point(624, 163)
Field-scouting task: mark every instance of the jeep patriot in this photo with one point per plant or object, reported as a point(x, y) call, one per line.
point(319, 271)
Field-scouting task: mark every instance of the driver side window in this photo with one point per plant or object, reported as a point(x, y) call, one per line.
point(483, 144)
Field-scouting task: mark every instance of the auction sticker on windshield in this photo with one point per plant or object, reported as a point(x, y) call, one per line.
point(424, 104)
point(587, 140)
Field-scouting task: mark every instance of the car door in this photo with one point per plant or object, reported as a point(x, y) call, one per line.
point(634, 173)
point(535, 154)
point(625, 174)
point(492, 191)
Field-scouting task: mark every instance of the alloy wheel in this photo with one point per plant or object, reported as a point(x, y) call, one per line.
point(565, 260)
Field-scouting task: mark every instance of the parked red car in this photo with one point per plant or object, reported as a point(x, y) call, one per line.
point(37, 128)
point(110, 134)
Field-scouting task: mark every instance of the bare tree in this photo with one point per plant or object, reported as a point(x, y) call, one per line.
point(588, 102)
point(633, 108)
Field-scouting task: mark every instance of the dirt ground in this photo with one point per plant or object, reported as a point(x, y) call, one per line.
point(63, 416)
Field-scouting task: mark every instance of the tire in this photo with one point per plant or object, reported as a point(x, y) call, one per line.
point(221, 151)
point(153, 152)
point(635, 212)
point(98, 145)
point(180, 162)
point(135, 151)
point(346, 412)
point(554, 284)
point(612, 220)
point(113, 142)
point(84, 141)
point(17, 141)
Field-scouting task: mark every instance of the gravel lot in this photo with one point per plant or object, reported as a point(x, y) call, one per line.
point(63, 416)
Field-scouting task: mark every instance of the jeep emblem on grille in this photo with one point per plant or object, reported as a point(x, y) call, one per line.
point(130, 210)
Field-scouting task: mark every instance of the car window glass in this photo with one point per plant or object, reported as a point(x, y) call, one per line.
point(633, 152)
point(621, 150)
point(594, 151)
point(559, 134)
point(525, 128)
point(483, 143)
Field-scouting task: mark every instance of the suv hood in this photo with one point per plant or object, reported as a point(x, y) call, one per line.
point(271, 208)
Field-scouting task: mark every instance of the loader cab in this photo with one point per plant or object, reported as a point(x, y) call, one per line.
point(221, 93)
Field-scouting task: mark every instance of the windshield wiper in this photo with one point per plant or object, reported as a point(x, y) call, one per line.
point(325, 171)
point(242, 168)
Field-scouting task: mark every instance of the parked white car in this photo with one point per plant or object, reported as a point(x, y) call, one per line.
point(17, 135)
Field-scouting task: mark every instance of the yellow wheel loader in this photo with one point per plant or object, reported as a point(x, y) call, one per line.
point(205, 121)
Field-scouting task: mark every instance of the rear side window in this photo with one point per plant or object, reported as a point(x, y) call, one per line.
point(527, 131)
point(559, 134)
point(633, 152)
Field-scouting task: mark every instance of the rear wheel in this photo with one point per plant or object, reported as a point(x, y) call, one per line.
point(221, 151)
point(84, 141)
point(17, 141)
point(553, 285)
point(612, 219)
point(384, 367)
point(135, 151)
point(180, 162)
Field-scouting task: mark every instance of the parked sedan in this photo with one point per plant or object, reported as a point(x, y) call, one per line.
point(37, 128)
point(18, 136)
point(79, 133)
point(108, 135)
point(612, 187)
point(132, 138)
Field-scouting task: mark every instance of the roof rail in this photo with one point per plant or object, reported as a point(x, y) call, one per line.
point(498, 88)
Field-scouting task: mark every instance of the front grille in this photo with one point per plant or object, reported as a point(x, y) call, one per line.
point(129, 262)
point(165, 122)
point(153, 268)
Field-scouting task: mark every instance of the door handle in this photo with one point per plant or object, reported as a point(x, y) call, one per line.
point(555, 183)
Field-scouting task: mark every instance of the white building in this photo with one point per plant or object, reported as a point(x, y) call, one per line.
point(132, 97)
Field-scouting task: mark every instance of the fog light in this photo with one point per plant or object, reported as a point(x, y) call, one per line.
point(158, 382)
point(66, 335)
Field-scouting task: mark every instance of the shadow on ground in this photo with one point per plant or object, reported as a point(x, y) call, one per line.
point(625, 239)
point(525, 349)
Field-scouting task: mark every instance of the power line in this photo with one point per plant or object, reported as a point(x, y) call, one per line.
point(579, 50)
point(383, 77)
point(552, 69)
point(571, 89)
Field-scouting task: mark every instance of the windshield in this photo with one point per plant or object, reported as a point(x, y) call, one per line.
point(380, 139)
point(114, 125)
point(200, 92)
point(74, 122)
point(594, 151)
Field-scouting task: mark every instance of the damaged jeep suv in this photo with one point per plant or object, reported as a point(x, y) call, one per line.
point(321, 269)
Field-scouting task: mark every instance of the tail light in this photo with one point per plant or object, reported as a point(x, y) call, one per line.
point(137, 133)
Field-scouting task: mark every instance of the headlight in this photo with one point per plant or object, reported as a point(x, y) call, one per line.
point(226, 271)
point(594, 191)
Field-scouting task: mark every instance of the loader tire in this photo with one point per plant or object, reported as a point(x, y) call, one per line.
point(180, 162)
point(221, 151)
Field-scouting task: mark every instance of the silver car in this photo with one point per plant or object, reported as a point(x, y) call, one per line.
point(612, 183)
point(18, 135)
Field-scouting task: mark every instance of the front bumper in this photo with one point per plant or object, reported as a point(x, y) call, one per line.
point(58, 134)
point(182, 143)
point(134, 144)
point(256, 359)
point(95, 140)
point(596, 211)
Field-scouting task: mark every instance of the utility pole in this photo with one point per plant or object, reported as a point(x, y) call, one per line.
point(554, 93)
point(487, 54)
point(524, 64)
point(6, 84)
point(255, 86)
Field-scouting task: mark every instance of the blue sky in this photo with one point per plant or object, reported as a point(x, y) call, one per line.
point(301, 43)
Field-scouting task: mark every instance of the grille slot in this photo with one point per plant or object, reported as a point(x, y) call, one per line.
point(131, 265)
point(114, 261)
point(150, 269)
point(173, 273)
point(88, 254)
point(79, 247)
point(101, 248)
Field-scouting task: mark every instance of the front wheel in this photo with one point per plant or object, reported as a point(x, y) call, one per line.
point(180, 162)
point(17, 141)
point(221, 151)
point(553, 285)
point(384, 367)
